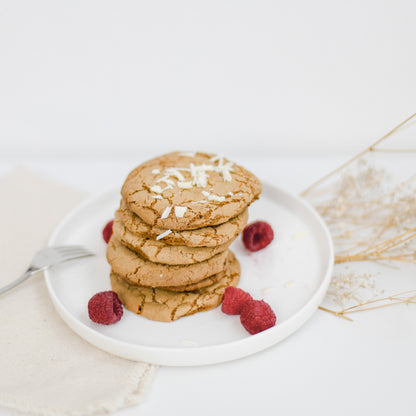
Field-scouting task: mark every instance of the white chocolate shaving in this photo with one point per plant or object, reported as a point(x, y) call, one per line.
point(184, 185)
point(175, 172)
point(217, 157)
point(156, 188)
point(199, 174)
point(160, 236)
point(221, 168)
point(157, 196)
point(166, 213)
point(180, 211)
point(205, 193)
point(166, 180)
point(216, 198)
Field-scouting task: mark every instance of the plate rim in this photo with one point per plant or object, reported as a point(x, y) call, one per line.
point(191, 355)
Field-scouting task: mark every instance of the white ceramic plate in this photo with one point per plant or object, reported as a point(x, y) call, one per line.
point(292, 274)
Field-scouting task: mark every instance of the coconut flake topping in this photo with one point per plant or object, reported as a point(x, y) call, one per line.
point(175, 172)
point(216, 198)
point(158, 189)
point(166, 213)
point(180, 211)
point(166, 180)
point(199, 174)
point(184, 185)
point(160, 236)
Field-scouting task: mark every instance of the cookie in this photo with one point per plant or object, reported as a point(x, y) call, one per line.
point(140, 271)
point(200, 237)
point(159, 252)
point(198, 285)
point(182, 191)
point(164, 305)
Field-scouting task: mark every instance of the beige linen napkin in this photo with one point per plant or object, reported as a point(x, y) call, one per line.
point(45, 368)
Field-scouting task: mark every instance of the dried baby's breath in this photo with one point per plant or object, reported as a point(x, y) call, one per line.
point(351, 288)
point(371, 218)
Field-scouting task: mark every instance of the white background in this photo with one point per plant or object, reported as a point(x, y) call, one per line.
point(330, 367)
point(88, 89)
point(109, 78)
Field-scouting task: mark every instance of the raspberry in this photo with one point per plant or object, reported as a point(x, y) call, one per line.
point(257, 235)
point(108, 231)
point(105, 308)
point(233, 300)
point(256, 316)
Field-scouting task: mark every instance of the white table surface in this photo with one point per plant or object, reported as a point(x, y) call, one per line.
point(329, 367)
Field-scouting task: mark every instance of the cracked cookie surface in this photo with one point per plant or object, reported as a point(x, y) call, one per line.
point(140, 271)
point(159, 252)
point(181, 191)
point(200, 237)
point(164, 305)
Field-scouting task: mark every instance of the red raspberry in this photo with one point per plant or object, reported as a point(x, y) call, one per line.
point(256, 316)
point(233, 300)
point(105, 308)
point(257, 235)
point(108, 231)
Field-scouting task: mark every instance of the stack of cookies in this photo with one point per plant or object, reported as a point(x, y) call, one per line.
point(178, 215)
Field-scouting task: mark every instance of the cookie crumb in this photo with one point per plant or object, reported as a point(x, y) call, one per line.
point(299, 235)
point(267, 290)
point(186, 342)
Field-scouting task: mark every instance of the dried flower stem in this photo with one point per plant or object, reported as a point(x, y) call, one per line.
point(369, 149)
point(376, 252)
point(394, 150)
point(339, 314)
point(397, 299)
point(357, 203)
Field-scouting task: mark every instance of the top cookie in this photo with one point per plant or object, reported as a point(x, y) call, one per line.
point(185, 191)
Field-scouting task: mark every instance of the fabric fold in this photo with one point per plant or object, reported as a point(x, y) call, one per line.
point(46, 368)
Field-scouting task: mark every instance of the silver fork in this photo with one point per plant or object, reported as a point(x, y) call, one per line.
point(48, 257)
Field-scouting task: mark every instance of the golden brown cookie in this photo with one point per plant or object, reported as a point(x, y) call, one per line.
point(164, 305)
point(140, 271)
point(159, 252)
point(198, 285)
point(200, 237)
point(182, 191)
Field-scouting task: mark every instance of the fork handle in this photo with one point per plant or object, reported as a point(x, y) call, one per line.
point(21, 279)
